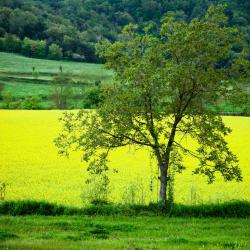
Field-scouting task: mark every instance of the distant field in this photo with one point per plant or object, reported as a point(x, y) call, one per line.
point(31, 168)
point(16, 73)
point(24, 77)
point(136, 233)
point(16, 63)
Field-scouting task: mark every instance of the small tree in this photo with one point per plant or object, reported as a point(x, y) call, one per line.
point(62, 90)
point(55, 52)
point(41, 49)
point(11, 43)
point(164, 92)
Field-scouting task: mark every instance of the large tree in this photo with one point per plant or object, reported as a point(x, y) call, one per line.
point(167, 88)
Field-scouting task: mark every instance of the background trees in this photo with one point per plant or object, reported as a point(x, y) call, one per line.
point(167, 90)
point(55, 52)
point(76, 26)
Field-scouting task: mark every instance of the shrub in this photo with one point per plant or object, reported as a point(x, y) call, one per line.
point(7, 99)
point(29, 207)
point(41, 49)
point(34, 48)
point(96, 190)
point(55, 52)
point(11, 43)
point(31, 102)
point(92, 97)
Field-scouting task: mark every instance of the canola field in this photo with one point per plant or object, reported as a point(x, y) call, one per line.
point(31, 168)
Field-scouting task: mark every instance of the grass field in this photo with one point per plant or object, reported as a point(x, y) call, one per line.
point(16, 64)
point(31, 168)
point(135, 233)
point(16, 73)
point(20, 82)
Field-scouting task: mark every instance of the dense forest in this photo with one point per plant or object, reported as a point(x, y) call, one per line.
point(70, 29)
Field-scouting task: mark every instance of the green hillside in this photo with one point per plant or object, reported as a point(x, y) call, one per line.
point(76, 26)
point(22, 78)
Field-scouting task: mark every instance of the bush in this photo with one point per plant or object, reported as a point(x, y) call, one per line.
point(11, 43)
point(240, 209)
point(7, 99)
point(92, 97)
point(31, 102)
point(34, 48)
point(30, 207)
point(96, 190)
point(55, 52)
point(41, 49)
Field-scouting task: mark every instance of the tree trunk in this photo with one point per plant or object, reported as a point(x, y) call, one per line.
point(163, 183)
point(163, 189)
point(164, 164)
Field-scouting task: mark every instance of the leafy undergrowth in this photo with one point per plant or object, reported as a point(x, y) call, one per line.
point(234, 209)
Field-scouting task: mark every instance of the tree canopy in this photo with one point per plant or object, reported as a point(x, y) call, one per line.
point(166, 90)
point(77, 25)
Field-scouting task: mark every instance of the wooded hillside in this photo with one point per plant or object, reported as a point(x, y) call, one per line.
point(70, 28)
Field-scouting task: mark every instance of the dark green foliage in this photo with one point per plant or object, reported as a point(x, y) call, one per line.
point(11, 43)
point(31, 102)
point(30, 207)
point(55, 52)
point(34, 48)
point(234, 209)
point(228, 209)
point(76, 26)
point(92, 97)
point(28, 102)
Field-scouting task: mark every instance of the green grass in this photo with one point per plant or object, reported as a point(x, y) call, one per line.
point(16, 73)
point(16, 63)
point(26, 89)
point(82, 232)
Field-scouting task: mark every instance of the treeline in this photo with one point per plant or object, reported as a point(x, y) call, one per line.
point(75, 26)
point(30, 48)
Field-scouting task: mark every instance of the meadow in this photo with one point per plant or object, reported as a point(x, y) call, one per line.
point(32, 169)
point(16, 63)
point(24, 77)
point(137, 233)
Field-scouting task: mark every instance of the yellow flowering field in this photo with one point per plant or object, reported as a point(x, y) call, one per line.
point(31, 168)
